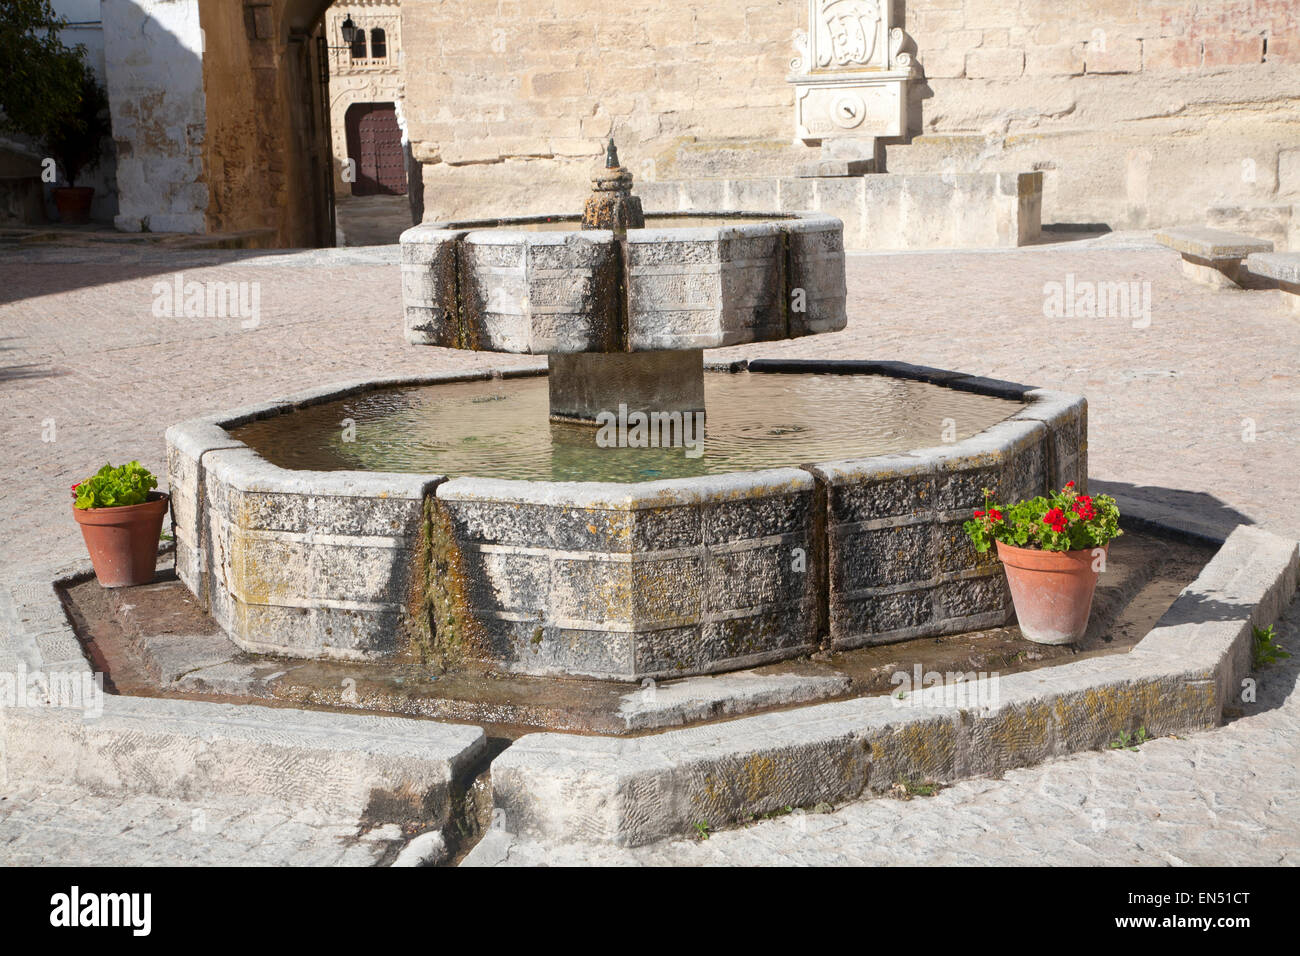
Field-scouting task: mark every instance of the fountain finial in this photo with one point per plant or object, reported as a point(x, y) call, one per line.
point(612, 205)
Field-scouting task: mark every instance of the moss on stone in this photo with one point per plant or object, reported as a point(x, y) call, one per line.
point(446, 631)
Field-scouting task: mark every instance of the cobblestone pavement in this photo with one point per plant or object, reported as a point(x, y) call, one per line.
point(43, 826)
point(1198, 410)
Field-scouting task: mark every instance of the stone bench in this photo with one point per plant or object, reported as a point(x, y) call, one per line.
point(1212, 256)
point(1284, 269)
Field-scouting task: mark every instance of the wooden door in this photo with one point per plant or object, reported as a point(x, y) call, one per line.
point(375, 142)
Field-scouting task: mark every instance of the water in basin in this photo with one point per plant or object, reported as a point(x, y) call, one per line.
point(500, 429)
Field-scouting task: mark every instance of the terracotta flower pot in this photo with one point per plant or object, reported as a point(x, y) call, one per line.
point(123, 542)
point(1052, 591)
point(73, 203)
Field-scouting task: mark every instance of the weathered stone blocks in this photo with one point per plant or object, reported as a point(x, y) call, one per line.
point(486, 285)
point(630, 581)
point(429, 287)
point(299, 563)
point(615, 581)
point(899, 564)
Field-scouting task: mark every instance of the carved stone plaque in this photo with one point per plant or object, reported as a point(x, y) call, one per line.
point(850, 73)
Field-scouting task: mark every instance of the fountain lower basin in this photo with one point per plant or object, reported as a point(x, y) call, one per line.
point(602, 579)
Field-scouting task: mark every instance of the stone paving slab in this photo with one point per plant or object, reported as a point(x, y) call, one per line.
point(42, 825)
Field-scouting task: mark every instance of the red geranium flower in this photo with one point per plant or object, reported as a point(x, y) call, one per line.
point(995, 514)
point(1056, 519)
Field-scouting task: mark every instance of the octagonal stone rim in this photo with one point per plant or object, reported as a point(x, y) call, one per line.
point(238, 519)
point(210, 433)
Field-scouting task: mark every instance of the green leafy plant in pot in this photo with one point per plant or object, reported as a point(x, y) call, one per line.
point(121, 519)
point(1052, 547)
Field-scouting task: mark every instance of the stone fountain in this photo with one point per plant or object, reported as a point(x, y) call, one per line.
point(623, 307)
point(615, 574)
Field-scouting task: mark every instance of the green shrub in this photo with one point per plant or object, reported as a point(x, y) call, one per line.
point(115, 487)
point(1267, 650)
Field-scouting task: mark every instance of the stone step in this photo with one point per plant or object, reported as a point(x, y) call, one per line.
point(385, 769)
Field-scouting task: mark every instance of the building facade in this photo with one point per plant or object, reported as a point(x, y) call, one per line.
point(366, 123)
point(1137, 112)
point(233, 116)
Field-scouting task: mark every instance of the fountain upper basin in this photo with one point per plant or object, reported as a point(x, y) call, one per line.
point(543, 285)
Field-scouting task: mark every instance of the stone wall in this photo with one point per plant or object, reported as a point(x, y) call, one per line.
point(509, 103)
point(266, 154)
point(1140, 112)
point(218, 118)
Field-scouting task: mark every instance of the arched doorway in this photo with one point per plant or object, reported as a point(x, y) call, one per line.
point(374, 140)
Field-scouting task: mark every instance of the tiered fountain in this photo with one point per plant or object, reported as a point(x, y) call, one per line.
point(579, 526)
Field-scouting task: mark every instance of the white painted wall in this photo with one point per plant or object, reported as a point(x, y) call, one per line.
point(153, 56)
point(85, 28)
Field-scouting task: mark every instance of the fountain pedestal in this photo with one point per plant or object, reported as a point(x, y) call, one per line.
point(585, 384)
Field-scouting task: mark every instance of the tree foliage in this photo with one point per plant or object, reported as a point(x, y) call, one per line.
point(77, 140)
point(40, 77)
